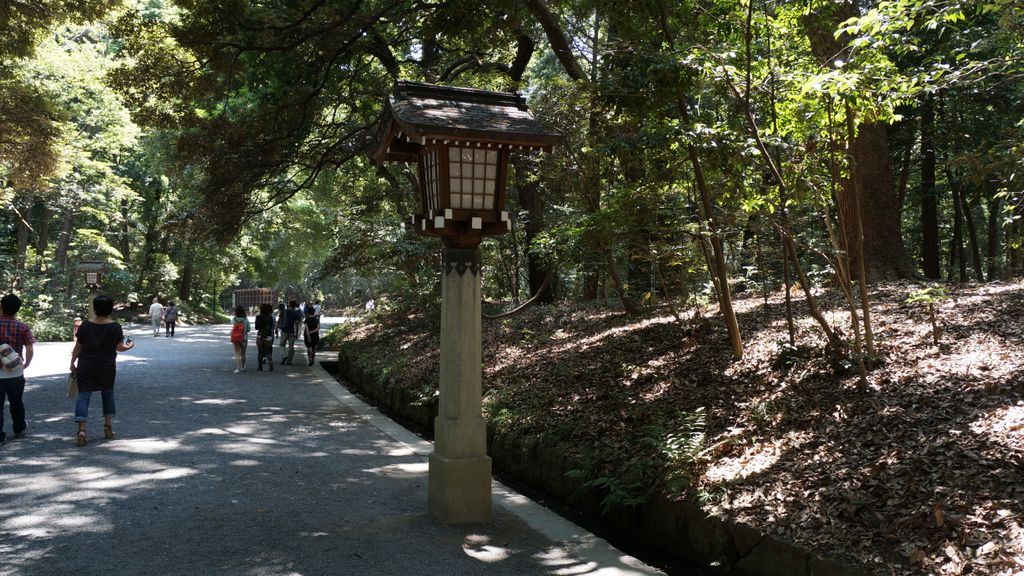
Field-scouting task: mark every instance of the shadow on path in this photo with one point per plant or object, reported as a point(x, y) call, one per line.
point(258, 473)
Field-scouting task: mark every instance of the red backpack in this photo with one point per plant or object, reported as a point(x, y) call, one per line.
point(237, 332)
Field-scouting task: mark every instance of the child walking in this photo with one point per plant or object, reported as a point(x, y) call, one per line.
point(239, 337)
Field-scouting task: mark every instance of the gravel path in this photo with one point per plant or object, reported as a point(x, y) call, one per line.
point(255, 474)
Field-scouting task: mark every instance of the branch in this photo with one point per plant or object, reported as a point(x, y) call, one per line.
point(516, 310)
point(557, 39)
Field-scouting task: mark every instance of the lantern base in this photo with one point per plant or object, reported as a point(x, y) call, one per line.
point(459, 489)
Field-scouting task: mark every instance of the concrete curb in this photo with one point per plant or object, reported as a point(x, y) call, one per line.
point(603, 558)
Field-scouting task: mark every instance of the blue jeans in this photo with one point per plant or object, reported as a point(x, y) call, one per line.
point(82, 404)
point(13, 389)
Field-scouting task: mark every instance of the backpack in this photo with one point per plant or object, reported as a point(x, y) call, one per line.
point(10, 359)
point(237, 332)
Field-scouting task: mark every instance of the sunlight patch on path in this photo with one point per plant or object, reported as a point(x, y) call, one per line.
point(479, 547)
point(149, 446)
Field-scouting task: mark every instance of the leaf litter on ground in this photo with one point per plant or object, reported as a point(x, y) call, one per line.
point(920, 474)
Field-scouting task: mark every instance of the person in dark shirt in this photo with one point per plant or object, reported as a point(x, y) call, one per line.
point(311, 334)
point(94, 362)
point(265, 337)
point(289, 325)
point(170, 319)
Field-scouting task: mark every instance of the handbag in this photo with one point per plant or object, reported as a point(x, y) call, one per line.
point(72, 385)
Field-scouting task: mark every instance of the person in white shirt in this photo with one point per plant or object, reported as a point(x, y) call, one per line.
point(156, 314)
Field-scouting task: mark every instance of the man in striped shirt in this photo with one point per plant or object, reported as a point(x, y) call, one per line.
point(12, 380)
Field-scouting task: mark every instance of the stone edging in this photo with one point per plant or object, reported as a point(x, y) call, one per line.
point(678, 530)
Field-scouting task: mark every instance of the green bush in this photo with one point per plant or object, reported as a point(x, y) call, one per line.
point(48, 329)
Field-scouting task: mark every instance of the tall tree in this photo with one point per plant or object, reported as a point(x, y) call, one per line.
point(929, 195)
point(28, 135)
point(884, 253)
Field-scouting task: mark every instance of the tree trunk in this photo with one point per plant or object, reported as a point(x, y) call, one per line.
point(556, 37)
point(972, 235)
point(904, 180)
point(21, 254)
point(992, 246)
point(957, 262)
point(884, 253)
point(563, 51)
point(125, 239)
point(861, 270)
point(1014, 253)
point(185, 282)
point(718, 266)
point(929, 198)
point(63, 244)
point(617, 283)
point(531, 201)
point(42, 234)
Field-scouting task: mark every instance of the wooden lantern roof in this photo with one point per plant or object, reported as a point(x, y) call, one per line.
point(417, 115)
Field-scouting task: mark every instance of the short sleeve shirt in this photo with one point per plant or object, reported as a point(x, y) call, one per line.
point(97, 358)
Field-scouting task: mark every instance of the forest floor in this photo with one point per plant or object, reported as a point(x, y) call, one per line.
point(922, 472)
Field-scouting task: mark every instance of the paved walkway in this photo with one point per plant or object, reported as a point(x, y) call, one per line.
point(279, 473)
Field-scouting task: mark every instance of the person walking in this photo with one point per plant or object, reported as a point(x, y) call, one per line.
point(16, 342)
point(265, 337)
point(156, 315)
point(170, 319)
point(94, 363)
point(311, 333)
point(288, 325)
point(240, 337)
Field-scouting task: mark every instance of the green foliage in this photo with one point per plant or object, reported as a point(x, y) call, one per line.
point(680, 448)
point(928, 295)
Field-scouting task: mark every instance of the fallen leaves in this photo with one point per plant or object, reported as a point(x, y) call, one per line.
point(923, 474)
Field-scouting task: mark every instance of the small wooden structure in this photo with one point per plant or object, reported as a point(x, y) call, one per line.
point(460, 139)
point(250, 297)
point(92, 272)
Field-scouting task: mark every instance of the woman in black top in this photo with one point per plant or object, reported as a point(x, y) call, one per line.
point(311, 335)
point(96, 348)
point(265, 337)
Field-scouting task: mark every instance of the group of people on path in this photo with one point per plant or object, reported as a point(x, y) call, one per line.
point(288, 325)
point(98, 341)
point(166, 317)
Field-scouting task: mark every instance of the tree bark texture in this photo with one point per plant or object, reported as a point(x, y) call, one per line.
point(956, 242)
point(884, 252)
point(42, 215)
point(992, 246)
point(716, 260)
point(67, 229)
point(21, 254)
point(930, 259)
point(532, 201)
point(972, 235)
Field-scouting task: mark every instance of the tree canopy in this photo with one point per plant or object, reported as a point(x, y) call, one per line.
point(710, 146)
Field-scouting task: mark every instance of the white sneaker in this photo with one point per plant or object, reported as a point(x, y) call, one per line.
point(237, 370)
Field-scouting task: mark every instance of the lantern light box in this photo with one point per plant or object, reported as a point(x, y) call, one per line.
point(461, 140)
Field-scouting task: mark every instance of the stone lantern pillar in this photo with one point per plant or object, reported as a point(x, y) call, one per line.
point(461, 140)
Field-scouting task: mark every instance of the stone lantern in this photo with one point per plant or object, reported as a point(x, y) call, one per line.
point(461, 140)
point(92, 272)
